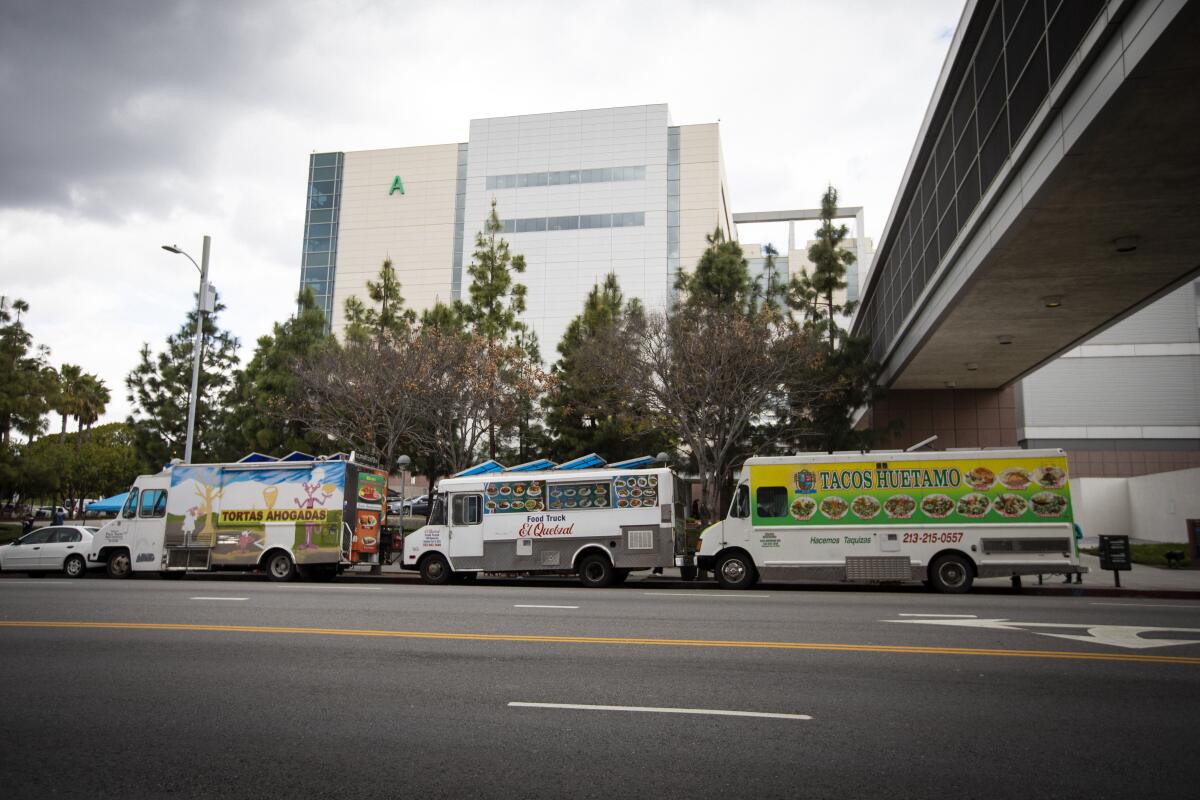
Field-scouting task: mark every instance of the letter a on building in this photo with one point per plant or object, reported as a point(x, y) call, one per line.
point(397, 185)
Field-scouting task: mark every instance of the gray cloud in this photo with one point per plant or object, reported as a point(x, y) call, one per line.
point(110, 107)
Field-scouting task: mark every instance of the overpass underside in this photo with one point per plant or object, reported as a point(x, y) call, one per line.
point(1094, 215)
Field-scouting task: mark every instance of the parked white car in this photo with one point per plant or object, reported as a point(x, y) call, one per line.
point(61, 548)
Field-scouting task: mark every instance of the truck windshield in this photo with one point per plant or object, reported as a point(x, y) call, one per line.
point(437, 511)
point(740, 507)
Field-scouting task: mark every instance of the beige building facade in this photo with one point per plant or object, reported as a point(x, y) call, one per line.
point(580, 194)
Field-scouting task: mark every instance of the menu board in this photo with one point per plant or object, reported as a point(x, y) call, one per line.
point(900, 492)
point(571, 496)
point(514, 497)
point(636, 491)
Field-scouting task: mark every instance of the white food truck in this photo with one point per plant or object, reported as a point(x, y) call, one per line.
point(297, 514)
point(944, 518)
point(597, 521)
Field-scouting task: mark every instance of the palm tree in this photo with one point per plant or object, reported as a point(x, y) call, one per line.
point(93, 400)
point(66, 401)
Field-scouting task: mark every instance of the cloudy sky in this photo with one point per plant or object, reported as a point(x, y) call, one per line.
point(133, 123)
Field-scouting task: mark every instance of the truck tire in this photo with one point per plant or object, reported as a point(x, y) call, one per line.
point(118, 565)
point(736, 571)
point(75, 566)
point(595, 571)
point(951, 574)
point(280, 566)
point(435, 570)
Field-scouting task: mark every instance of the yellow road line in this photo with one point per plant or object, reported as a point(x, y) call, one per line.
point(505, 637)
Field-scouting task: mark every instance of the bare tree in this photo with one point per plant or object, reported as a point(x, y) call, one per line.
point(472, 386)
point(363, 394)
point(709, 375)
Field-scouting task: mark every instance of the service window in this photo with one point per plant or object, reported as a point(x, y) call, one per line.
point(771, 501)
point(154, 503)
point(130, 509)
point(466, 509)
point(740, 507)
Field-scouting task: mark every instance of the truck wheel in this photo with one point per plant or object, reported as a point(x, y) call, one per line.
point(280, 567)
point(435, 570)
point(118, 565)
point(595, 572)
point(951, 574)
point(75, 567)
point(735, 571)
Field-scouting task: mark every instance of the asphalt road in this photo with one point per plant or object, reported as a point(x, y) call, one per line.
point(246, 688)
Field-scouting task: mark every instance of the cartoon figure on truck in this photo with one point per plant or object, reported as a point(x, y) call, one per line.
point(945, 518)
point(599, 524)
point(296, 515)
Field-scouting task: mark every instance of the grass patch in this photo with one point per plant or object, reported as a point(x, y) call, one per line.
point(9, 531)
point(1152, 555)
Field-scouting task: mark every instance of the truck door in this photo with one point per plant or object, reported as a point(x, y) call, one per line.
point(466, 525)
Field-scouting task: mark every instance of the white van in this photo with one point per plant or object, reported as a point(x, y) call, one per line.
point(944, 518)
point(599, 524)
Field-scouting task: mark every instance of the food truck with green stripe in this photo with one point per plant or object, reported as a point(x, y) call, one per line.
point(945, 518)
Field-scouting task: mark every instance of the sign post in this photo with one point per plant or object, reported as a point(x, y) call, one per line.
point(1114, 555)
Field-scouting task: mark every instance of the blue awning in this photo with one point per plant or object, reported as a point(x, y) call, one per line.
point(256, 458)
point(634, 463)
point(108, 504)
point(590, 461)
point(485, 468)
point(530, 466)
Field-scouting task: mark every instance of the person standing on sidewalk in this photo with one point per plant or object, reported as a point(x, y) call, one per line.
point(1078, 538)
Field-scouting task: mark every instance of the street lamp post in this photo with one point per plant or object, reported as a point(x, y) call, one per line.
point(402, 462)
point(201, 305)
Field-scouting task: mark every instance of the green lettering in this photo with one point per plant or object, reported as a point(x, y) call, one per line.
point(397, 185)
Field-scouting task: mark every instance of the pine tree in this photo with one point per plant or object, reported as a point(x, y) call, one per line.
point(830, 261)
point(721, 280)
point(497, 301)
point(159, 390)
point(390, 317)
point(263, 390)
point(586, 412)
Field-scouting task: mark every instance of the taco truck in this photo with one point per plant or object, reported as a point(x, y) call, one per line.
point(299, 514)
point(945, 518)
point(585, 517)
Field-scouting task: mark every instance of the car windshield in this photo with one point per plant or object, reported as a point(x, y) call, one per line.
point(92, 530)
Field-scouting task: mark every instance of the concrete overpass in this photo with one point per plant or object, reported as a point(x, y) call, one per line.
point(1053, 190)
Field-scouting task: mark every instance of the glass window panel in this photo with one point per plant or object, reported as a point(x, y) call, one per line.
point(324, 159)
point(522, 181)
point(555, 178)
point(944, 149)
point(964, 154)
point(637, 218)
point(508, 226)
point(639, 173)
point(1012, 10)
point(990, 45)
point(993, 153)
point(316, 245)
point(673, 202)
point(606, 175)
point(538, 179)
point(1029, 92)
point(673, 172)
point(672, 218)
point(991, 102)
point(322, 201)
point(1024, 37)
point(968, 192)
point(316, 273)
point(673, 187)
point(771, 502)
point(964, 106)
point(531, 225)
point(321, 187)
point(320, 215)
point(317, 259)
point(320, 229)
point(491, 182)
point(323, 173)
point(563, 223)
point(1067, 30)
point(573, 176)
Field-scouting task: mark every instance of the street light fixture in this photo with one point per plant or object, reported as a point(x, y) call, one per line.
point(201, 306)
